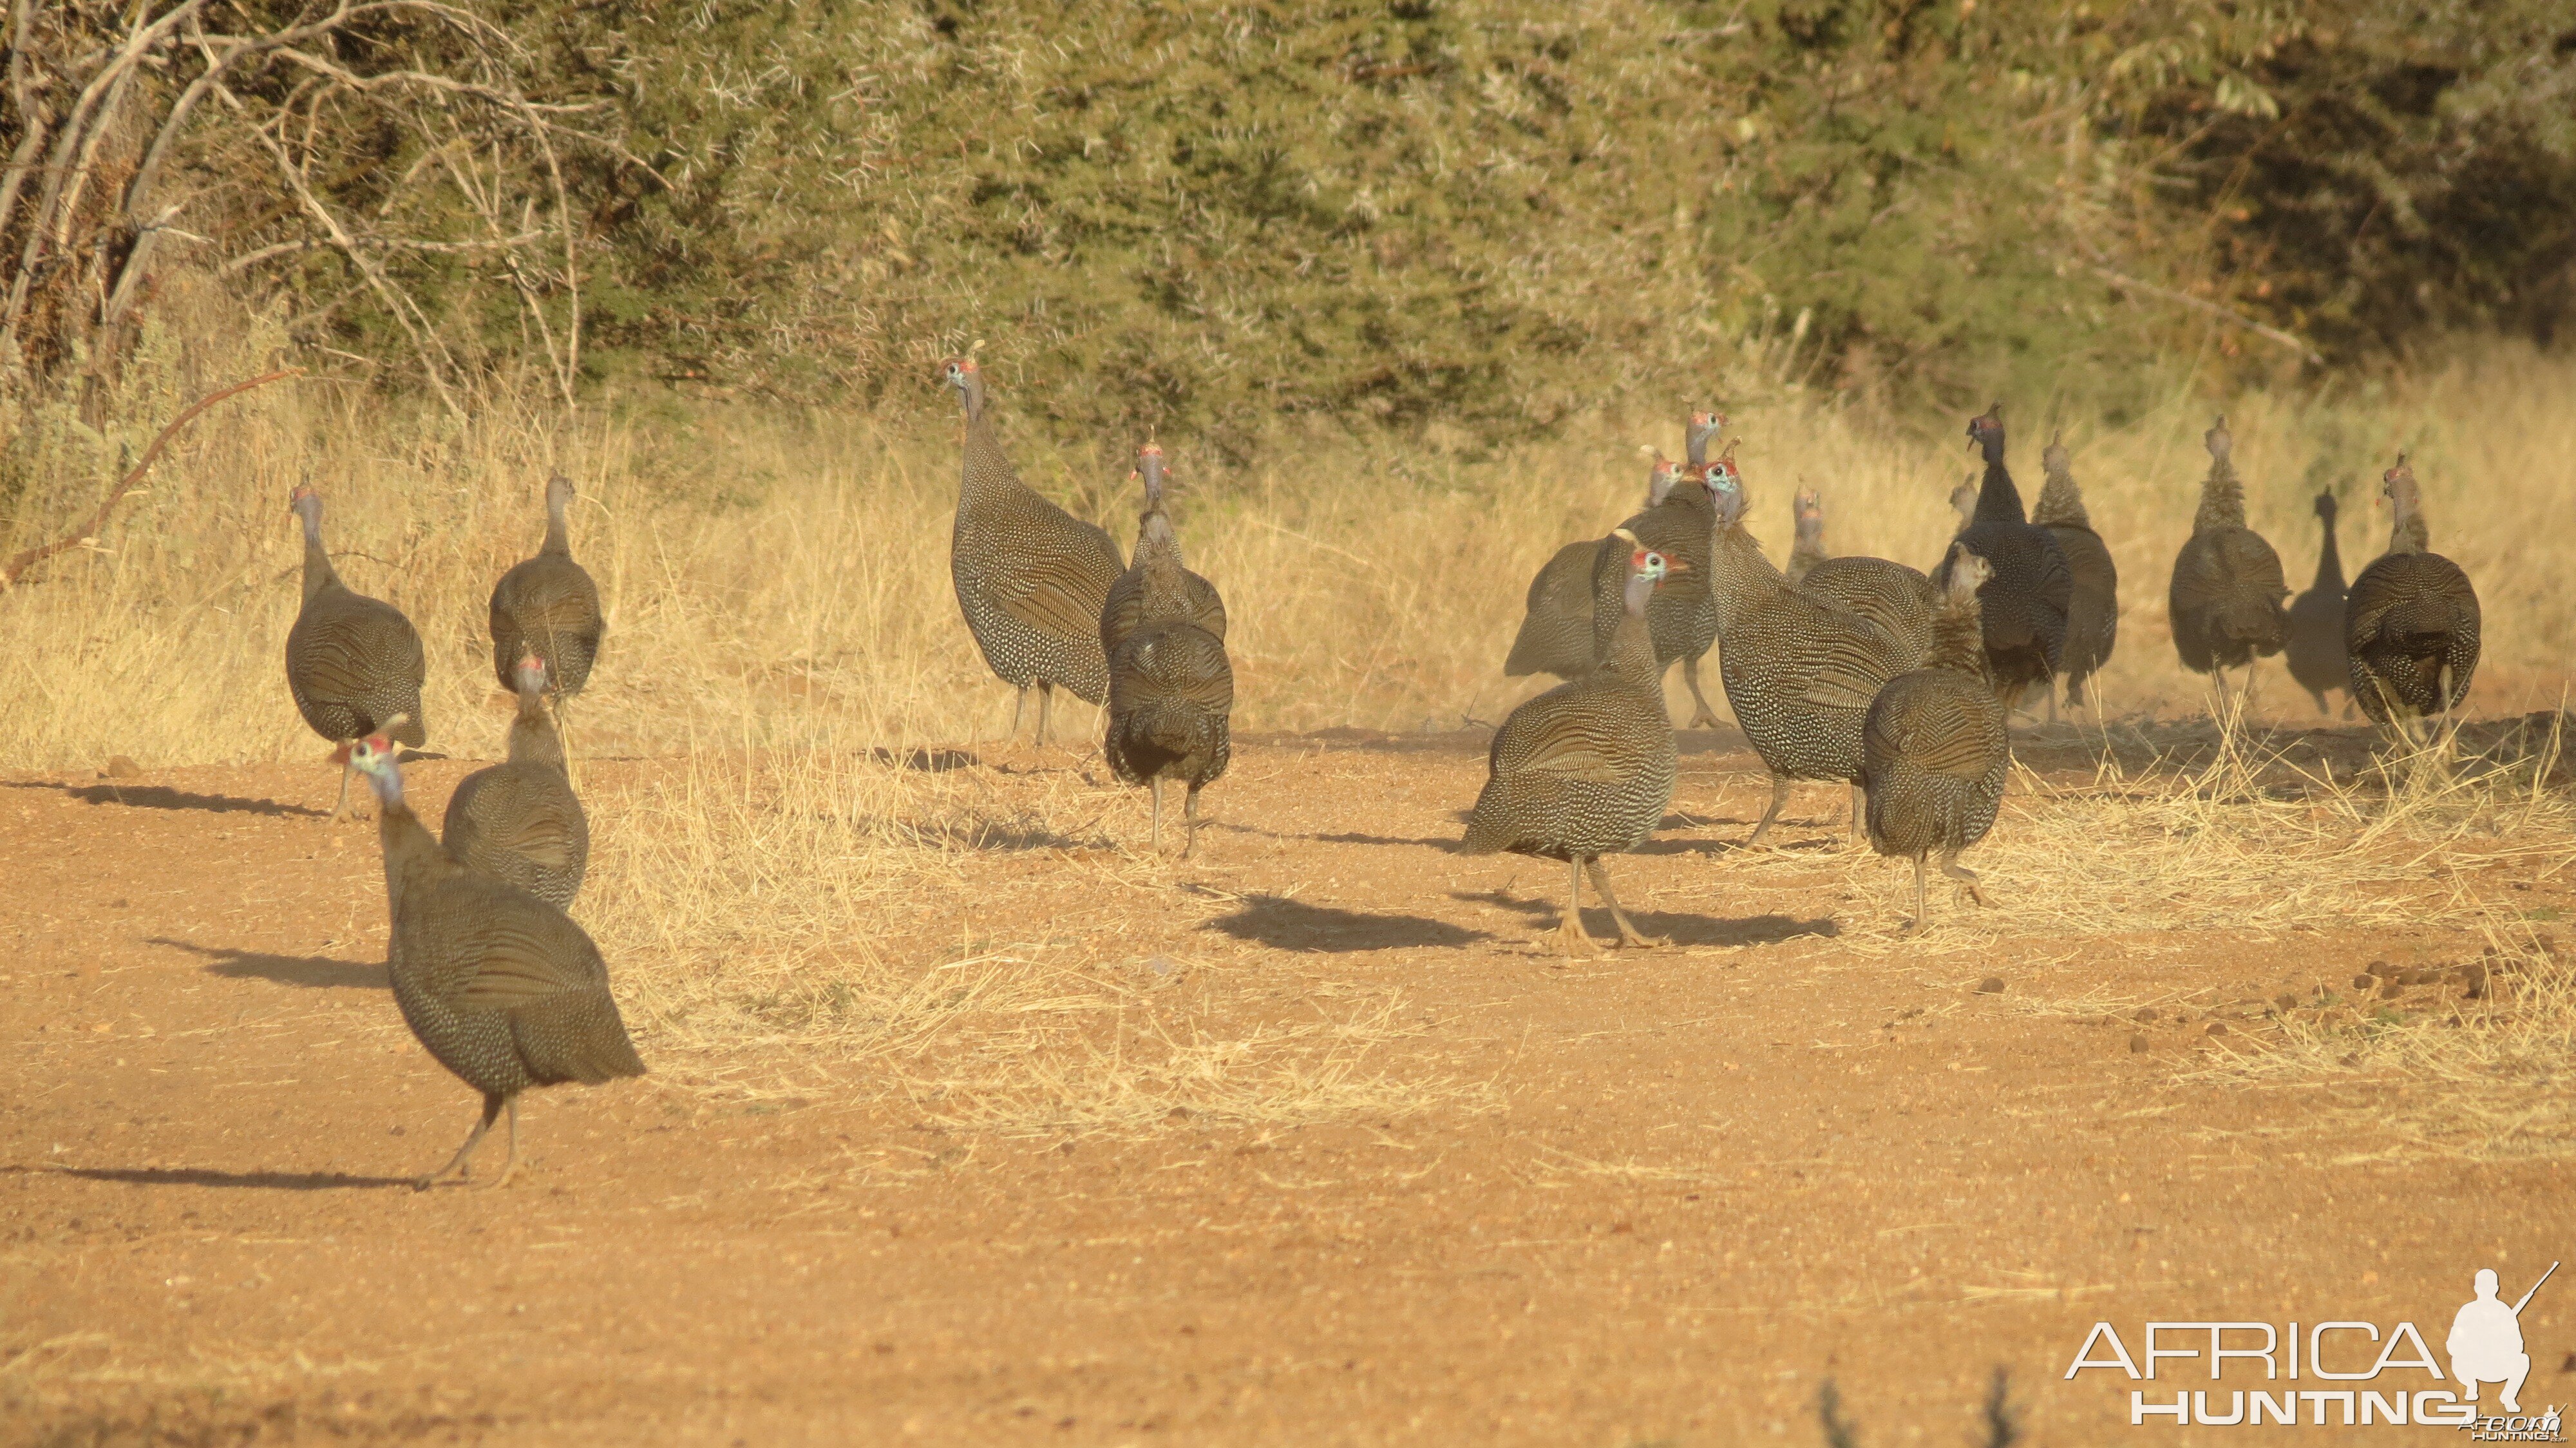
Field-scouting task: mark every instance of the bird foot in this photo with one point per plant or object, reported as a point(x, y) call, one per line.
point(1703, 719)
point(1575, 940)
point(1913, 928)
point(503, 1180)
point(1980, 897)
point(1629, 937)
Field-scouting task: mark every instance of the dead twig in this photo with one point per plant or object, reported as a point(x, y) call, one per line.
point(19, 563)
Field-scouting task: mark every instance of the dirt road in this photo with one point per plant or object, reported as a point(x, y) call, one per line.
point(1472, 1192)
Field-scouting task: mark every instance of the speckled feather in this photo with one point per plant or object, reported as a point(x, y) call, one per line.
point(548, 605)
point(2093, 600)
point(1586, 768)
point(520, 821)
point(1031, 578)
point(2410, 618)
point(501, 987)
point(2225, 600)
point(2025, 604)
point(352, 662)
point(1934, 750)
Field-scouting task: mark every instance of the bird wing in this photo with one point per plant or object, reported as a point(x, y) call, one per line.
point(515, 949)
point(1939, 733)
point(1853, 664)
point(1558, 742)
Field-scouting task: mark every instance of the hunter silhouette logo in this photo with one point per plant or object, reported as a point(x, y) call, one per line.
point(2486, 1341)
point(2363, 1376)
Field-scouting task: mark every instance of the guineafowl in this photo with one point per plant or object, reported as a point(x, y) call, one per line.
point(1807, 512)
point(503, 988)
point(2316, 653)
point(2225, 602)
point(548, 606)
point(354, 663)
point(1963, 501)
point(1681, 620)
point(1934, 744)
point(1171, 690)
point(1126, 607)
point(520, 820)
point(1556, 634)
point(1586, 769)
point(1799, 671)
point(2411, 620)
point(1031, 578)
point(2026, 602)
point(2093, 608)
point(1888, 594)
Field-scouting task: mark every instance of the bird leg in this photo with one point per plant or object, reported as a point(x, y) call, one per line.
point(1922, 919)
point(510, 1167)
point(1046, 701)
point(1019, 706)
point(1700, 712)
point(1628, 933)
point(456, 1164)
point(1571, 932)
point(1860, 814)
point(1951, 867)
point(340, 807)
point(1154, 786)
point(1190, 822)
point(1779, 797)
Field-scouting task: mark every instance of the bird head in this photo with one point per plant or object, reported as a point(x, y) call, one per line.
point(559, 492)
point(2053, 459)
point(2326, 507)
point(1662, 476)
point(531, 674)
point(2218, 439)
point(1968, 571)
point(1986, 432)
point(1149, 466)
point(1808, 506)
point(962, 374)
point(373, 757)
point(1703, 426)
point(1725, 483)
point(306, 504)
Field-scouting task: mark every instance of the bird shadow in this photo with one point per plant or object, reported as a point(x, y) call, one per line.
point(1679, 929)
point(159, 796)
point(1284, 924)
point(197, 1176)
point(319, 972)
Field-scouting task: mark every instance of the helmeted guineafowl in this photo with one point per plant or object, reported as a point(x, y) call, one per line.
point(1171, 689)
point(2411, 621)
point(520, 820)
point(1126, 605)
point(2093, 604)
point(1799, 671)
point(1031, 578)
point(2225, 601)
point(2317, 658)
point(1807, 513)
point(503, 988)
point(1556, 635)
point(1887, 593)
point(548, 606)
point(2026, 602)
point(1680, 620)
point(1934, 744)
point(1586, 769)
point(354, 663)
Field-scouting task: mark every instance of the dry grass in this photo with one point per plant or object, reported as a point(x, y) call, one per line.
point(781, 627)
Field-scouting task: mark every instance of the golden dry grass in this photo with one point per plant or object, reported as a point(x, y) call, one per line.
point(781, 624)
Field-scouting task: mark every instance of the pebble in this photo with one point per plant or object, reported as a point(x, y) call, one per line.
point(2148, 1013)
point(2218, 1028)
point(2364, 982)
point(2138, 1042)
point(1991, 985)
point(122, 767)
